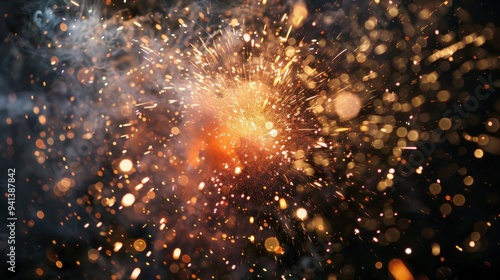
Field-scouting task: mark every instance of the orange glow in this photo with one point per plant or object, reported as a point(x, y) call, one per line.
point(213, 145)
point(399, 270)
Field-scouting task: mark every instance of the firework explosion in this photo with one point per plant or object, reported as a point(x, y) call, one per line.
point(251, 139)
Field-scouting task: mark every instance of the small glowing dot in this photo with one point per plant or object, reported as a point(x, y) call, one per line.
point(468, 180)
point(283, 204)
point(271, 244)
point(408, 251)
point(140, 245)
point(186, 259)
point(177, 253)
point(63, 27)
point(445, 123)
point(93, 255)
point(183, 180)
point(459, 200)
point(435, 188)
point(40, 214)
point(175, 130)
point(478, 153)
point(301, 213)
point(237, 170)
point(126, 165)
point(128, 200)
point(273, 133)
point(436, 249)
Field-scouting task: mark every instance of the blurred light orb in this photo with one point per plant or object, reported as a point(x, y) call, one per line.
point(126, 165)
point(347, 105)
point(128, 200)
point(301, 214)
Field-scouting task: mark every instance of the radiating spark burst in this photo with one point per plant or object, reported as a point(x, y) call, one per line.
point(248, 104)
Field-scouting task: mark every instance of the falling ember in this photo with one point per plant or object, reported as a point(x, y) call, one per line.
point(117, 246)
point(135, 274)
point(399, 270)
point(176, 254)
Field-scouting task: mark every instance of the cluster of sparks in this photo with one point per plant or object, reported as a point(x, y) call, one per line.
point(200, 150)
